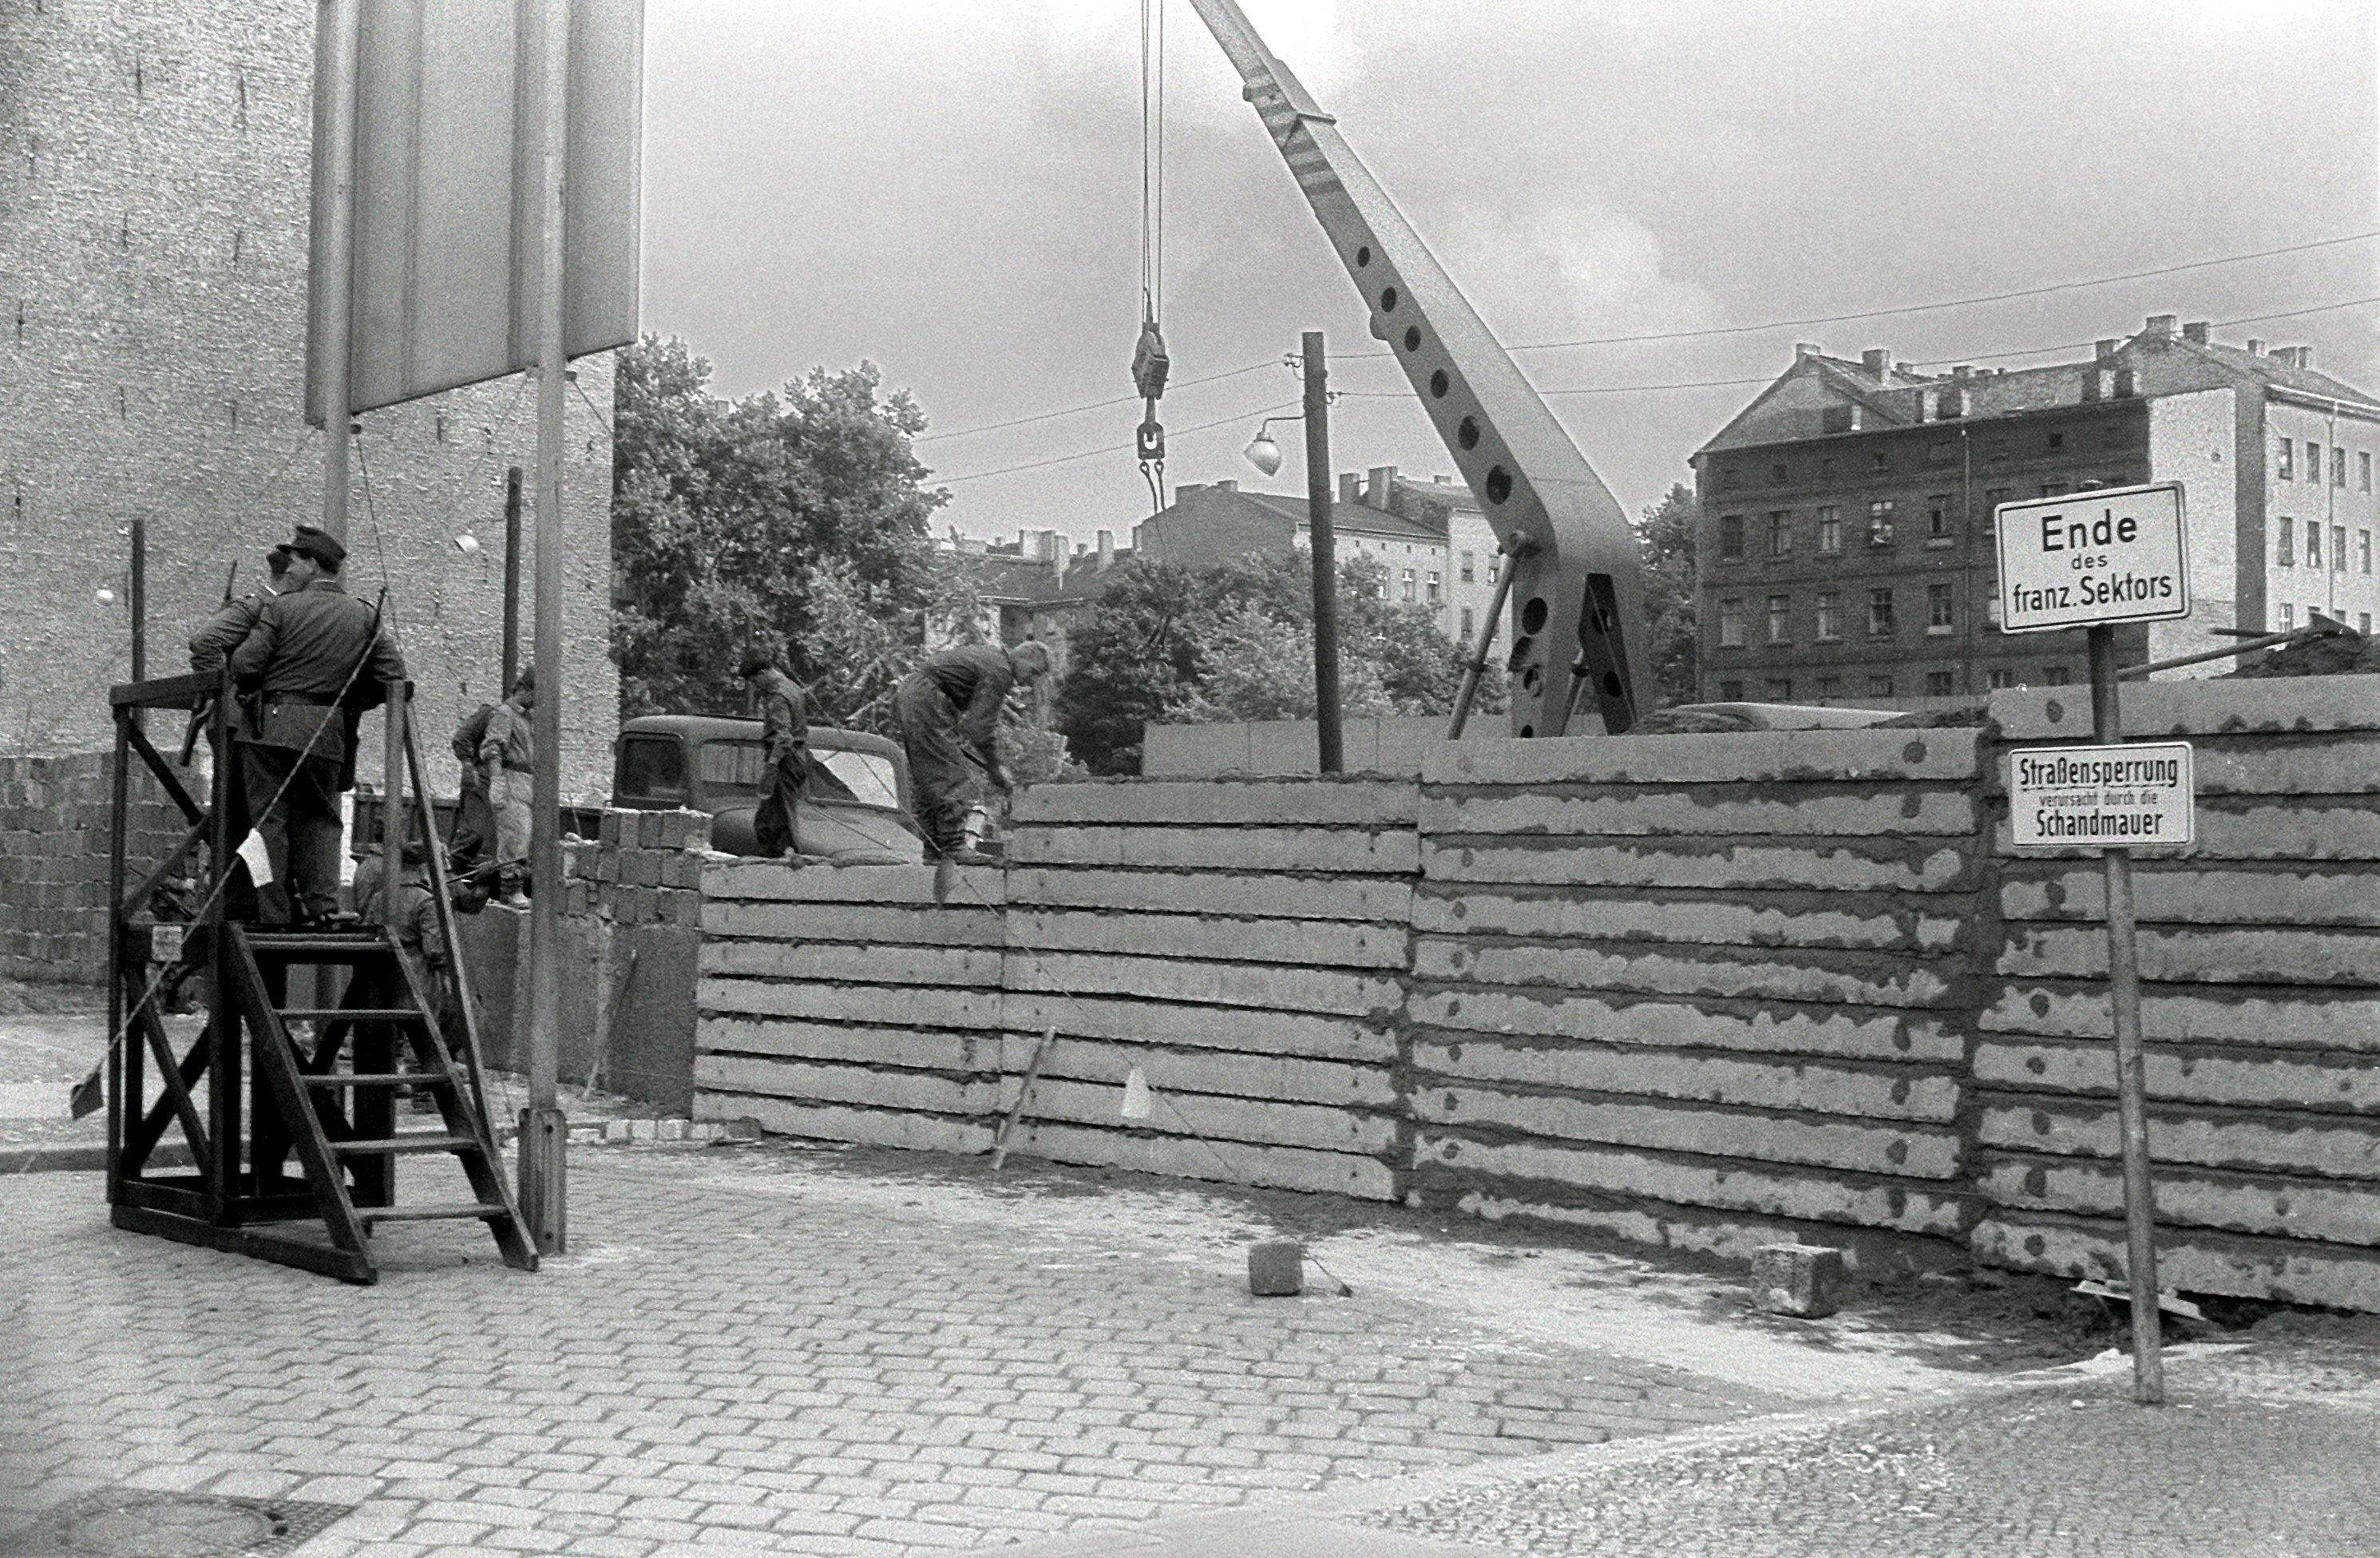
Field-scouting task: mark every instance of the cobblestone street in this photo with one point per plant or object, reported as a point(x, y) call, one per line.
point(790, 1351)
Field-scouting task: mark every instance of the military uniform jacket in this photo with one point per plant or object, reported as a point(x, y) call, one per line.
point(784, 725)
point(300, 662)
point(976, 678)
point(510, 742)
point(223, 633)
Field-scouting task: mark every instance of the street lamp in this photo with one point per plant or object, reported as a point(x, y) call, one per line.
point(1262, 452)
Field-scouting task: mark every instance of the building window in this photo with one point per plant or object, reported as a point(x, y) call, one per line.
point(1780, 619)
point(2054, 675)
point(1780, 533)
point(1880, 462)
point(1408, 583)
point(1470, 566)
point(2363, 622)
point(1879, 686)
point(1999, 678)
point(1731, 624)
point(1830, 529)
point(1430, 586)
point(2314, 462)
point(2057, 441)
point(2338, 549)
point(1940, 684)
point(1827, 627)
point(2282, 472)
point(2363, 471)
point(1777, 690)
point(2338, 466)
point(1469, 626)
point(2313, 543)
point(1729, 475)
point(1829, 687)
point(1937, 609)
point(1992, 601)
point(1879, 613)
point(1777, 474)
point(1879, 522)
point(2289, 618)
point(1732, 692)
point(2364, 552)
point(1938, 517)
point(1731, 538)
point(1939, 452)
point(2055, 489)
point(2285, 541)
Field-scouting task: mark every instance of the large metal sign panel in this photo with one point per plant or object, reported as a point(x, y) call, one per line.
point(2088, 559)
point(2138, 794)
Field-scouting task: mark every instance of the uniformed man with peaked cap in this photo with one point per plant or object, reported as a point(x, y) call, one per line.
point(316, 657)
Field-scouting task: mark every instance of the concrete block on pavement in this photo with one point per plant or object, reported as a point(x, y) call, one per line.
point(1802, 1280)
point(1277, 1269)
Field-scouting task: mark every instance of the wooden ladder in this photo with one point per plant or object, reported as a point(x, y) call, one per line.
point(341, 1122)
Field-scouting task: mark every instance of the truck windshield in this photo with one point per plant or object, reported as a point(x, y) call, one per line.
point(653, 765)
point(869, 778)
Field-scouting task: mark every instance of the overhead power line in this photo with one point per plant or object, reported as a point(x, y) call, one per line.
point(1608, 389)
point(1731, 330)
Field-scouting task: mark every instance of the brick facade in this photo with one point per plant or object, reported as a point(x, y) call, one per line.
point(154, 173)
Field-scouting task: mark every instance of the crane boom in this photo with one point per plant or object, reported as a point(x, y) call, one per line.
point(1564, 534)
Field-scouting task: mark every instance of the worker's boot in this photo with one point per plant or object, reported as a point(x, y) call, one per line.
point(950, 844)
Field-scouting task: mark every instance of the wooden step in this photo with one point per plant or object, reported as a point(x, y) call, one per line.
point(484, 1211)
point(317, 945)
point(375, 1080)
point(420, 1141)
point(350, 1013)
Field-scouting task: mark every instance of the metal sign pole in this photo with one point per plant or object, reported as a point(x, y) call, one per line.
point(2131, 1075)
point(1329, 752)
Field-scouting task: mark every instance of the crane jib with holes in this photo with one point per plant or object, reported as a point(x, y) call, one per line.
point(1571, 555)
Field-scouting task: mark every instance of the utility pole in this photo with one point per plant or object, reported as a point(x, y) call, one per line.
point(544, 1133)
point(1332, 756)
point(341, 29)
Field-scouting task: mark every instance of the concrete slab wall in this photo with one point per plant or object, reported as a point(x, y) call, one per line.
point(1699, 990)
point(2260, 961)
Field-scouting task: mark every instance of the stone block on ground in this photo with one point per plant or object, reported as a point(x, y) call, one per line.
point(1277, 1269)
point(1802, 1280)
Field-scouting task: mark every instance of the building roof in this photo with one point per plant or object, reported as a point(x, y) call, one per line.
point(1216, 523)
point(2159, 359)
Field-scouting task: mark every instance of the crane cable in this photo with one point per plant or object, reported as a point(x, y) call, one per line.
point(1149, 362)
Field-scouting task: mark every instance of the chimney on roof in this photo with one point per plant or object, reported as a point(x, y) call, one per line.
point(1053, 547)
point(2305, 357)
point(1107, 550)
point(1351, 486)
point(1963, 371)
point(1229, 484)
point(1383, 487)
point(2255, 347)
point(1955, 402)
point(1929, 405)
point(2195, 332)
point(1136, 536)
point(1877, 360)
point(2125, 386)
point(2161, 325)
point(1805, 348)
point(2105, 351)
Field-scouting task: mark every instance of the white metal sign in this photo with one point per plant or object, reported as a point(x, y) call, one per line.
point(2138, 794)
point(2112, 555)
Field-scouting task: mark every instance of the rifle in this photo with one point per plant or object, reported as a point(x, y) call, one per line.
point(205, 706)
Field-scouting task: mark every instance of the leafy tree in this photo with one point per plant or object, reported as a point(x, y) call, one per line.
point(1125, 665)
point(1665, 536)
point(797, 519)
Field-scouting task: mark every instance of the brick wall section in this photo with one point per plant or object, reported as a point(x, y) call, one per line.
point(644, 868)
point(153, 169)
point(54, 852)
point(1700, 990)
point(2260, 963)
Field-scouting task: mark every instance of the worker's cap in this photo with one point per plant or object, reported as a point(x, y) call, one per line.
point(318, 545)
point(527, 680)
point(278, 559)
point(755, 661)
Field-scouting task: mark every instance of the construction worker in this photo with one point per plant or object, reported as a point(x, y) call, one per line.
point(507, 752)
point(315, 659)
point(949, 710)
point(210, 645)
point(784, 736)
point(411, 915)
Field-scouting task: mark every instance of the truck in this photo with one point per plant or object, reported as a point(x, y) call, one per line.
point(855, 809)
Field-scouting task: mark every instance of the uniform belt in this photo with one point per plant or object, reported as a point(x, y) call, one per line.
point(317, 699)
point(518, 768)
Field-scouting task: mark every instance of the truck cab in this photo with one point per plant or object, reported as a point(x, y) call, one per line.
point(855, 807)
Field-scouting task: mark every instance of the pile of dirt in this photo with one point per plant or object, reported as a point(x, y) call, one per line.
point(2350, 654)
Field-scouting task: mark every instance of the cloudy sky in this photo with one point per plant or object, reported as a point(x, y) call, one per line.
point(950, 190)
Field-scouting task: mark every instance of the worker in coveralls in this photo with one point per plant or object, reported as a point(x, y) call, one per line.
point(784, 738)
point(411, 913)
point(949, 710)
point(316, 659)
point(507, 753)
point(210, 645)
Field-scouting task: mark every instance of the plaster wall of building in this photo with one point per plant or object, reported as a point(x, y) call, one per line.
point(2189, 439)
point(154, 176)
point(2326, 500)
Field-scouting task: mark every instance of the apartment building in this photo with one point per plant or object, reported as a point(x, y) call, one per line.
point(1846, 543)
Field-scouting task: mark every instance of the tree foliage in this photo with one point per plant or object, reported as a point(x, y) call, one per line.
point(796, 519)
point(1665, 536)
point(1236, 642)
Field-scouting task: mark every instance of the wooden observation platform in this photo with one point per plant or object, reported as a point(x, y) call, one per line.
point(289, 1100)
